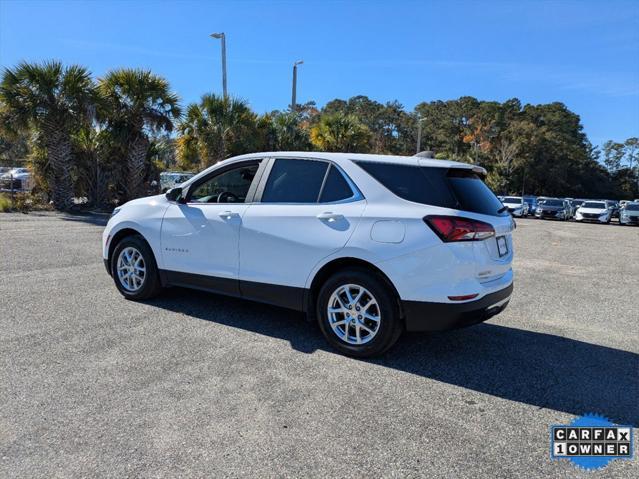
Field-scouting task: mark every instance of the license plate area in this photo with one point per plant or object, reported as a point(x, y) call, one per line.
point(502, 246)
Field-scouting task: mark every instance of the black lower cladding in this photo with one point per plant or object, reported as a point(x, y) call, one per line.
point(106, 265)
point(278, 295)
point(425, 316)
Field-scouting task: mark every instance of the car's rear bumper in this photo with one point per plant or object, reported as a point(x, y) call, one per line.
point(427, 316)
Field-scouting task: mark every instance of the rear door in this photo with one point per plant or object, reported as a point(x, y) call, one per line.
point(304, 210)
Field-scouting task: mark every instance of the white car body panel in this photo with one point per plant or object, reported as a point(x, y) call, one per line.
point(280, 244)
point(202, 238)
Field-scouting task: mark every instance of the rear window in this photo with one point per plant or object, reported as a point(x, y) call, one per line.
point(512, 199)
point(454, 188)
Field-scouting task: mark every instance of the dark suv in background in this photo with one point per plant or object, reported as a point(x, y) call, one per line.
point(553, 208)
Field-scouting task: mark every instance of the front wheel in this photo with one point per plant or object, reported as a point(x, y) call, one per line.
point(358, 313)
point(134, 270)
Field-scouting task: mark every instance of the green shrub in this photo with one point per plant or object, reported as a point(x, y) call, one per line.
point(5, 203)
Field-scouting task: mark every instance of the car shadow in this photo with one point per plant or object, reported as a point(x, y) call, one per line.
point(543, 370)
point(92, 219)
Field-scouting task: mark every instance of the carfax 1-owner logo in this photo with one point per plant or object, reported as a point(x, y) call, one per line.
point(591, 441)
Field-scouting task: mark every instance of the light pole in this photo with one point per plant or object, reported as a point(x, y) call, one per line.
point(294, 94)
point(223, 38)
point(419, 133)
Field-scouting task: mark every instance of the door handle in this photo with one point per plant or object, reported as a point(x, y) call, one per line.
point(227, 215)
point(329, 216)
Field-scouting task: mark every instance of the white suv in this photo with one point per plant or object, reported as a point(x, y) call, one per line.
point(368, 245)
point(516, 205)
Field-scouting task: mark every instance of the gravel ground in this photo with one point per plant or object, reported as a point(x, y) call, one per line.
point(193, 384)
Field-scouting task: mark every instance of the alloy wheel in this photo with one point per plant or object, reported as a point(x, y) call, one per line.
point(354, 314)
point(131, 269)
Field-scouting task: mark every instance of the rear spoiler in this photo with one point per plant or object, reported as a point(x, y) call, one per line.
point(480, 171)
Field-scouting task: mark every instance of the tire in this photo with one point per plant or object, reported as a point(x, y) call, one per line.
point(343, 337)
point(149, 285)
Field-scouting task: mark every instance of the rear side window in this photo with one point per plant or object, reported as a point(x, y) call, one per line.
point(472, 194)
point(453, 188)
point(294, 181)
point(336, 187)
point(413, 183)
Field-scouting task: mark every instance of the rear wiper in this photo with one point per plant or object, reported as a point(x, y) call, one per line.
point(502, 209)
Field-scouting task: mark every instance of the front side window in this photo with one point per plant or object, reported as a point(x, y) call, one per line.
point(295, 181)
point(231, 186)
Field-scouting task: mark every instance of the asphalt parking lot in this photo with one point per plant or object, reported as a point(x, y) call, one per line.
point(193, 384)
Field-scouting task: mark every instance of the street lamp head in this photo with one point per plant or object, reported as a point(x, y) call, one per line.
point(217, 35)
point(298, 62)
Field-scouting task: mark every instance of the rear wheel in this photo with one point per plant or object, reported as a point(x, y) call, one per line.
point(358, 313)
point(134, 270)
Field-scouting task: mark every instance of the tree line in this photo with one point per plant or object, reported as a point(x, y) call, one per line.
point(107, 138)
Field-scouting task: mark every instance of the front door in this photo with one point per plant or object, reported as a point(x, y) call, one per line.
point(200, 237)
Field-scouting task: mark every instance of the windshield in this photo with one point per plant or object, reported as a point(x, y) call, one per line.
point(512, 199)
point(632, 207)
point(594, 204)
point(553, 203)
point(577, 202)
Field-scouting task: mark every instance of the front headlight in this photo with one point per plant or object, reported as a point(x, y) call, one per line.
point(115, 211)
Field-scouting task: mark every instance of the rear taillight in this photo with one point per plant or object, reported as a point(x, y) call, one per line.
point(455, 228)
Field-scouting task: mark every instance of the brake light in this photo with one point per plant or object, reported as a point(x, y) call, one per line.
point(456, 228)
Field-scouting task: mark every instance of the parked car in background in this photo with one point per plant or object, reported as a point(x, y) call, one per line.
point(368, 245)
point(17, 179)
point(596, 211)
point(553, 208)
point(532, 204)
point(516, 205)
point(171, 179)
point(629, 214)
point(614, 207)
point(576, 204)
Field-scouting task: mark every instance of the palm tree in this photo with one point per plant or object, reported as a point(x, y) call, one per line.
point(341, 132)
point(54, 101)
point(134, 104)
point(289, 133)
point(217, 128)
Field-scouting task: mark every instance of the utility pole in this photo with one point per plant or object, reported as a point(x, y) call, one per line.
point(222, 37)
point(294, 93)
point(419, 133)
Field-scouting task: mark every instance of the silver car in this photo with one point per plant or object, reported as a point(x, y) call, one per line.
point(629, 214)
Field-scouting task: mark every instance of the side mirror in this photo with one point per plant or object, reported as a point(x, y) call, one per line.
point(175, 194)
